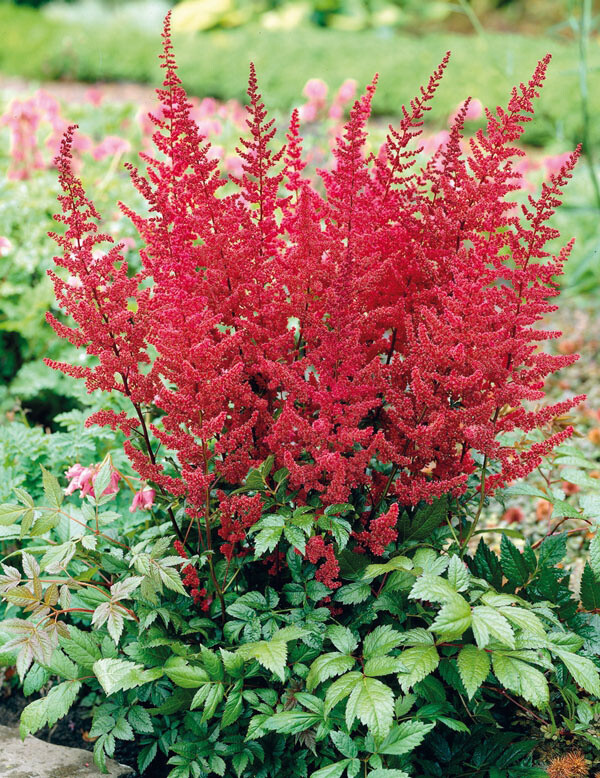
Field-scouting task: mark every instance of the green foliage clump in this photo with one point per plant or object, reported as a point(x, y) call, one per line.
point(430, 660)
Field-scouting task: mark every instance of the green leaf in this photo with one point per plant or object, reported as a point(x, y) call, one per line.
point(473, 666)
point(344, 744)
point(432, 588)
point(328, 666)
point(373, 703)
point(458, 574)
point(553, 550)
point(589, 591)
point(49, 709)
point(488, 621)
point(232, 709)
point(269, 535)
point(81, 647)
point(405, 737)
point(342, 638)
point(339, 528)
point(513, 563)
point(340, 689)
point(383, 665)
point(582, 669)
point(426, 520)
point(140, 720)
point(387, 772)
point(595, 554)
point(10, 513)
point(271, 654)
point(295, 537)
point(520, 677)
point(54, 494)
point(453, 619)
point(333, 770)
point(183, 674)
point(419, 662)
point(116, 674)
point(292, 722)
point(380, 641)
point(353, 593)
point(395, 563)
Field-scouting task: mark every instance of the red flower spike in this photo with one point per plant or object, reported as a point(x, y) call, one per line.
point(393, 319)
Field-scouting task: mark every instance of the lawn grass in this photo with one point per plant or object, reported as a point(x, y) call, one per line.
point(216, 64)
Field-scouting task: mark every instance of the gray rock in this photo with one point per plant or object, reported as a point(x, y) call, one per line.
point(34, 758)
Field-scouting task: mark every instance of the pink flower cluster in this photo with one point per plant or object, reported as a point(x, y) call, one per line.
point(83, 479)
point(40, 115)
point(388, 315)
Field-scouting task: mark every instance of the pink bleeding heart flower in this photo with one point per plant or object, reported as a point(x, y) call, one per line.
point(143, 499)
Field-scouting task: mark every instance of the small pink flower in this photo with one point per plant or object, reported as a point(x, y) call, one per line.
point(73, 474)
point(554, 163)
point(143, 500)
point(113, 486)
point(80, 478)
point(474, 111)
point(316, 90)
point(5, 246)
point(110, 146)
point(94, 95)
point(346, 92)
point(86, 481)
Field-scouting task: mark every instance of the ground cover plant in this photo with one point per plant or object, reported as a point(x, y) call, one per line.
point(318, 387)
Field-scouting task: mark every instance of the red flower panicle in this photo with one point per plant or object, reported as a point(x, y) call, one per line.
point(393, 318)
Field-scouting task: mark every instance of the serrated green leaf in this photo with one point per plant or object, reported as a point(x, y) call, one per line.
point(473, 666)
point(353, 593)
point(81, 647)
point(292, 722)
point(233, 708)
point(344, 744)
point(419, 662)
point(328, 666)
point(387, 772)
point(514, 566)
point(432, 588)
point(54, 494)
point(271, 654)
point(458, 574)
point(488, 621)
point(295, 537)
point(342, 638)
point(382, 665)
point(47, 710)
point(395, 563)
point(373, 703)
point(594, 553)
point(405, 737)
point(582, 669)
point(333, 770)
point(589, 591)
point(183, 674)
point(453, 618)
point(116, 674)
point(266, 540)
point(520, 677)
point(340, 689)
point(380, 641)
point(9, 514)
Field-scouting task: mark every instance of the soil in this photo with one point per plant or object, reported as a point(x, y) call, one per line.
point(72, 731)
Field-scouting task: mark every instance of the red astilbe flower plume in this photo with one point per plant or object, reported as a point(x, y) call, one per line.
point(387, 316)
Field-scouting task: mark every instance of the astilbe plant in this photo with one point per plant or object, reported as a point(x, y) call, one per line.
point(374, 334)
point(319, 383)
